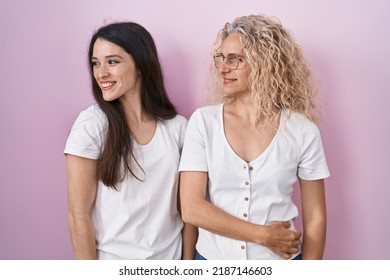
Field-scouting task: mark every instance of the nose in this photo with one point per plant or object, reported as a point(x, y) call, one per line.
point(102, 72)
point(223, 67)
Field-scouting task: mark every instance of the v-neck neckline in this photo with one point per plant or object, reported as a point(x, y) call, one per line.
point(263, 153)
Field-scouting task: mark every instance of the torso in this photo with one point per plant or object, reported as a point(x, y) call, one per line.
point(249, 181)
point(122, 219)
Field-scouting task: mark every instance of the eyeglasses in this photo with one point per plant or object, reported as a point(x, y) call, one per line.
point(232, 60)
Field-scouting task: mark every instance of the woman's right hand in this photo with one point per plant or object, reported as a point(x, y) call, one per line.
point(281, 240)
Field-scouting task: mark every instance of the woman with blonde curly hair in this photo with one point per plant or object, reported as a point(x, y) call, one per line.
point(242, 156)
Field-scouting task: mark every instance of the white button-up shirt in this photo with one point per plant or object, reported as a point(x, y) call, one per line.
point(260, 191)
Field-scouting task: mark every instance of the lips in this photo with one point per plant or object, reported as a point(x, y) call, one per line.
point(107, 85)
point(228, 81)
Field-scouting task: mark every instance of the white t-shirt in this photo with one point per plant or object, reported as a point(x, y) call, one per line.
point(141, 219)
point(259, 191)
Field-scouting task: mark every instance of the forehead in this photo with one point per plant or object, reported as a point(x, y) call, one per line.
point(232, 44)
point(103, 48)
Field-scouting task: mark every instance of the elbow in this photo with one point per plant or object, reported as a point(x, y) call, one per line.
point(78, 220)
point(188, 213)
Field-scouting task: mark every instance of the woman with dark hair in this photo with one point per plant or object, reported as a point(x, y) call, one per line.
point(122, 154)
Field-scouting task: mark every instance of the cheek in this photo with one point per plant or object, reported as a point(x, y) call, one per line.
point(94, 73)
point(245, 79)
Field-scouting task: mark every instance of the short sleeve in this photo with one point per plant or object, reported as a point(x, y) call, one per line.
point(86, 137)
point(182, 130)
point(194, 150)
point(313, 164)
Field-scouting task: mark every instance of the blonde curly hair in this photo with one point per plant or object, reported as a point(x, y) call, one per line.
point(280, 77)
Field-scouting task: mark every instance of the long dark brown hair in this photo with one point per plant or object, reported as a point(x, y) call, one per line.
point(115, 160)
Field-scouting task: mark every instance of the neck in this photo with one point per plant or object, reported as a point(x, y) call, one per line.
point(244, 109)
point(135, 114)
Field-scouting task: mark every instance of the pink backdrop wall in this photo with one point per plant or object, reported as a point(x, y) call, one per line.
point(44, 85)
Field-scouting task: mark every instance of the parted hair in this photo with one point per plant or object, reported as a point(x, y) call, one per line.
point(280, 76)
point(117, 157)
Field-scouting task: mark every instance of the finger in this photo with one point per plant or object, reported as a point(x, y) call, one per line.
point(296, 235)
point(293, 244)
point(286, 256)
point(293, 250)
point(286, 224)
point(296, 244)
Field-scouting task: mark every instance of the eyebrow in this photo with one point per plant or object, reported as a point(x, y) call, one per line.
point(239, 55)
point(109, 56)
point(220, 52)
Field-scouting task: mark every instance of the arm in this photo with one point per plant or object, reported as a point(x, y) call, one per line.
point(189, 236)
point(82, 181)
point(198, 211)
point(314, 218)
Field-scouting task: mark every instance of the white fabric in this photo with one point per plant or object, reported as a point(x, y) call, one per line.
point(259, 191)
point(140, 220)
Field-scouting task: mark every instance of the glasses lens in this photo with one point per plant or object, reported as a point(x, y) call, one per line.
point(232, 60)
point(218, 59)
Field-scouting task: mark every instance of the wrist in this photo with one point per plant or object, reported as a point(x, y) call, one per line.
point(261, 233)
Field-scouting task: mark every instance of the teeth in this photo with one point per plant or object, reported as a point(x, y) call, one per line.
point(107, 84)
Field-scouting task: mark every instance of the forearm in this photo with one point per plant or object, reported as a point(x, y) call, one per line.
point(83, 237)
point(313, 244)
point(189, 236)
point(203, 214)
point(314, 219)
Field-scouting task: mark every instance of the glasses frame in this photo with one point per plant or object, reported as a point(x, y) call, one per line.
point(228, 58)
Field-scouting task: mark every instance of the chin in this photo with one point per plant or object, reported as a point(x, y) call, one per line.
point(109, 97)
point(229, 94)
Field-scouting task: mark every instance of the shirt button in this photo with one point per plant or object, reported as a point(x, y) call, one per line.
point(251, 168)
point(247, 183)
point(242, 247)
point(245, 215)
point(244, 167)
point(246, 198)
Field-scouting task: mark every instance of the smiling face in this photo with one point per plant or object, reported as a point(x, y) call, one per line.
point(235, 82)
point(115, 71)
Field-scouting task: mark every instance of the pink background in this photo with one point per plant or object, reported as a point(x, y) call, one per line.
point(44, 85)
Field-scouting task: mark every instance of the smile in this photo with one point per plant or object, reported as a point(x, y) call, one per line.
point(107, 86)
point(229, 81)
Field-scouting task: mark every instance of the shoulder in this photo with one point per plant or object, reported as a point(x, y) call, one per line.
point(206, 120)
point(207, 113)
point(212, 110)
point(88, 133)
point(91, 119)
point(303, 130)
point(93, 112)
point(177, 123)
point(175, 128)
point(298, 122)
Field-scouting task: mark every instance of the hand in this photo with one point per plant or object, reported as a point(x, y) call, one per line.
point(281, 240)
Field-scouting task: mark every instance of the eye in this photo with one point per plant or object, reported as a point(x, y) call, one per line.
point(112, 62)
point(95, 64)
point(232, 58)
